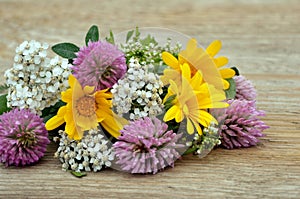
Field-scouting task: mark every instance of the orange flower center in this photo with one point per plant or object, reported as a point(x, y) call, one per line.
point(86, 106)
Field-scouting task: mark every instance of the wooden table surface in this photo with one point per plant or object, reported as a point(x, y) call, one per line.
point(262, 38)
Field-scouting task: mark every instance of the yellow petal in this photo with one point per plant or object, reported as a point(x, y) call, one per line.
point(167, 97)
point(102, 114)
point(227, 73)
point(73, 131)
point(186, 71)
point(170, 114)
point(221, 61)
point(190, 127)
point(226, 84)
point(214, 48)
point(88, 89)
point(179, 116)
point(170, 74)
point(198, 128)
point(86, 123)
point(62, 111)
point(170, 60)
point(112, 126)
point(66, 96)
point(191, 45)
point(206, 118)
point(54, 122)
point(71, 80)
point(103, 94)
point(197, 80)
point(173, 88)
point(57, 120)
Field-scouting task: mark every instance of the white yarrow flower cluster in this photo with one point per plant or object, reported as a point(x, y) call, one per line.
point(91, 153)
point(203, 144)
point(148, 51)
point(35, 81)
point(138, 93)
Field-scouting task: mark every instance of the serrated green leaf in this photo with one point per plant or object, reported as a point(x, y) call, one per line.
point(66, 50)
point(129, 35)
point(237, 72)
point(3, 104)
point(78, 174)
point(231, 91)
point(111, 38)
point(92, 35)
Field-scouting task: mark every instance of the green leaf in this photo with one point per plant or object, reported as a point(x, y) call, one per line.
point(129, 35)
point(111, 38)
point(231, 91)
point(78, 174)
point(3, 104)
point(66, 50)
point(92, 35)
point(237, 72)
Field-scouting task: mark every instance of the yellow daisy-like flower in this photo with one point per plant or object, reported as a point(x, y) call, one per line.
point(200, 60)
point(226, 73)
point(197, 59)
point(84, 110)
point(192, 99)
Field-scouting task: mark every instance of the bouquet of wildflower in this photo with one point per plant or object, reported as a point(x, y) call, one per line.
point(136, 105)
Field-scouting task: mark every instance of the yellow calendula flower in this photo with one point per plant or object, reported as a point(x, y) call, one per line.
point(83, 111)
point(193, 98)
point(226, 73)
point(201, 60)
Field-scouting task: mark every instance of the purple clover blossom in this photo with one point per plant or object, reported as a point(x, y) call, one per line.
point(145, 146)
point(23, 137)
point(241, 126)
point(244, 88)
point(99, 64)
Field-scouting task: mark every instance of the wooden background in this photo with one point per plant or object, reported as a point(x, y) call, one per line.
point(262, 38)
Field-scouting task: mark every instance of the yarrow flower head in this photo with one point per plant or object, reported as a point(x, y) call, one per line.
point(35, 81)
point(138, 92)
point(201, 145)
point(244, 88)
point(148, 51)
point(92, 153)
point(146, 146)
point(23, 137)
point(241, 126)
point(100, 64)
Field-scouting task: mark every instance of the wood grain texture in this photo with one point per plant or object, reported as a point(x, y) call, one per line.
point(262, 38)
